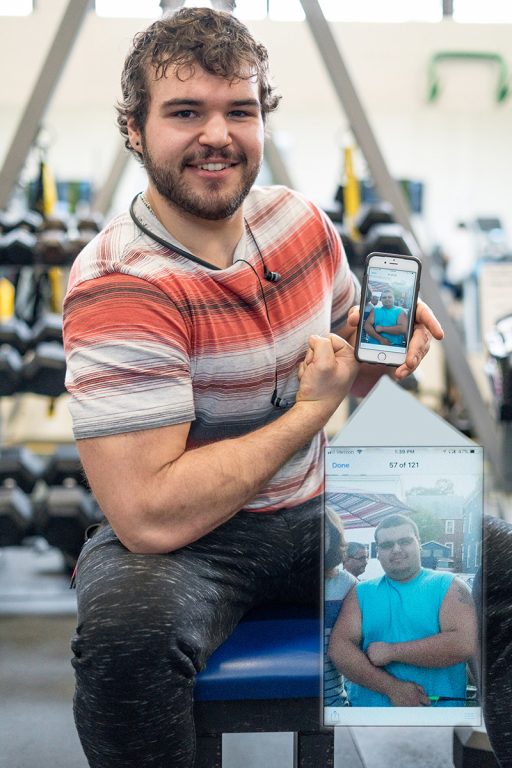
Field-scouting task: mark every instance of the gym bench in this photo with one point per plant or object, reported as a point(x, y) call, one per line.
point(265, 677)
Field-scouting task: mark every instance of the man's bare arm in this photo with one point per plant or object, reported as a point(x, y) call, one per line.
point(455, 643)
point(350, 660)
point(371, 330)
point(158, 496)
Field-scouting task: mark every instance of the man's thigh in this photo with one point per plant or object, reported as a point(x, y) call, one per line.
point(195, 596)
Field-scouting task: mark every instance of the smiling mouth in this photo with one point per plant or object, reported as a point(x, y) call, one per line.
point(214, 166)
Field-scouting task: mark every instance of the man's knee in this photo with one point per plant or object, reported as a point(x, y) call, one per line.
point(134, 617)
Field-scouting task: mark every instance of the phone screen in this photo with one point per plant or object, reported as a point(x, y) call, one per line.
point(388, 311)
point(441, 490)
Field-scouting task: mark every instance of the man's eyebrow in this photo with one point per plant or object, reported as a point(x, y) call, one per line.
point(170, 103)
point(246, 103)
point(180, 103)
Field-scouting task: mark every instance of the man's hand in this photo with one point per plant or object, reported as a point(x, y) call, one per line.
point(327, 372)
point(426, 326)
point(405, 694)
point(380, 654)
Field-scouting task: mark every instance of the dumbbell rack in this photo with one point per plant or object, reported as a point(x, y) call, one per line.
point(43, 494)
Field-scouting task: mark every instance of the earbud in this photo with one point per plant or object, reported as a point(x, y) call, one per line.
point(272, 277)
point(278, 402)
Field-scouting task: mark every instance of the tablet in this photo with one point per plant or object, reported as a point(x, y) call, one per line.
point(412, 521)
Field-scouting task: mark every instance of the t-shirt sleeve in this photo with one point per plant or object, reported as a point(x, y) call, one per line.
point(128, 357)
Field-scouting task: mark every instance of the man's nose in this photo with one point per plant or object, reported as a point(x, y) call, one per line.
point(215, 132)
point(396, 546)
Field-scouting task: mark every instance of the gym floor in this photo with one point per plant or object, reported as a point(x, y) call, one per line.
point(37, 611)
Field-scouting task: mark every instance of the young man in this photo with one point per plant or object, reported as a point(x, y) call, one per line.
point(201, 372)
point(386, 324)
point(407, 635)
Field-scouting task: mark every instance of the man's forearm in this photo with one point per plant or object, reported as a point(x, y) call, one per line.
point(231, 472)
point(436, 651)
point(370, 330)
point(356, 667)
point(394, 330)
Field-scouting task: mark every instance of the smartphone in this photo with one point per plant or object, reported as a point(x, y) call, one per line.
point(388, 306)
point(440, 490)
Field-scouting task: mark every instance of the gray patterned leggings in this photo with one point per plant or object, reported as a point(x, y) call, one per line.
point(148, 623)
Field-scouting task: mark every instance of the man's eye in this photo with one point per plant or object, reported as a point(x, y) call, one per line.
point(184, 113)
point(239, 113)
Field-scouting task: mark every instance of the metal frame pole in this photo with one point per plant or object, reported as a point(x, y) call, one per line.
point(103, 199)
point(40, 96)
point(389, 190)
point(278, 169)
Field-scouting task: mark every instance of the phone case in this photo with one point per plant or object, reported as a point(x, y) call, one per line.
point(363, 302)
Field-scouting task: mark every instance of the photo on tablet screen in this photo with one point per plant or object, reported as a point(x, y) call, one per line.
point(400, 626)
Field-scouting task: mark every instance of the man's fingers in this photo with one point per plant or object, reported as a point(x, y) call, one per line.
point(321, 350)
point(353, 317)
point(425, 316)
point(338, 343)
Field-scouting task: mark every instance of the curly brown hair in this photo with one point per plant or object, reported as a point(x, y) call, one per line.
point(216, 41)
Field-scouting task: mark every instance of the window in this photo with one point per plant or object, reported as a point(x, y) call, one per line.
point(377, 11)
point(133, 9)
point(286, 10)
point(277, 10)
point(449, 544)
point(477, 12)
point(251, 9)
point(16, 7)
point(449, 526)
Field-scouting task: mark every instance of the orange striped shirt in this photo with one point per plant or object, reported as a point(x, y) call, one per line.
point(154, 339)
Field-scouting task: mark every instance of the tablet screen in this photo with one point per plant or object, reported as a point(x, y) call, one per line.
point(399, 619)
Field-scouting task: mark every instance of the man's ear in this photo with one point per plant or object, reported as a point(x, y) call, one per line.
point(134, 135)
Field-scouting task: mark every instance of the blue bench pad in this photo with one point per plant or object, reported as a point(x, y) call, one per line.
point(272, 654)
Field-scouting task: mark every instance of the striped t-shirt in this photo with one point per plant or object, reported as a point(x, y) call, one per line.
point(154, 339)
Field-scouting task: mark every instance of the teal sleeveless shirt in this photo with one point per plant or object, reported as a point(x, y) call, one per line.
point(396, 612)
point(387, 316)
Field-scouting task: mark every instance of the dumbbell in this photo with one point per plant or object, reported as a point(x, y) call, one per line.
point(69, 508)
point(53, 243)
point(353, 251)
point(16, 333)
point(371, 214)
point(44, 366)
point(47, 328)
point(389, 238)
point(17, 248)
point(64, 516)
point(20, 466)
point(81, 234)
point(64, 464)
point(20, 470)
point(30, 221)
point(11, 365)
point(44, 370)
point(16, 515)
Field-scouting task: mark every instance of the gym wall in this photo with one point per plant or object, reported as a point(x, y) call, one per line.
point(459, 145)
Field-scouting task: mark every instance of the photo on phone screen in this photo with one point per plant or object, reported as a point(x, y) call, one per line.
point(390, 289)
point(400, 626)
